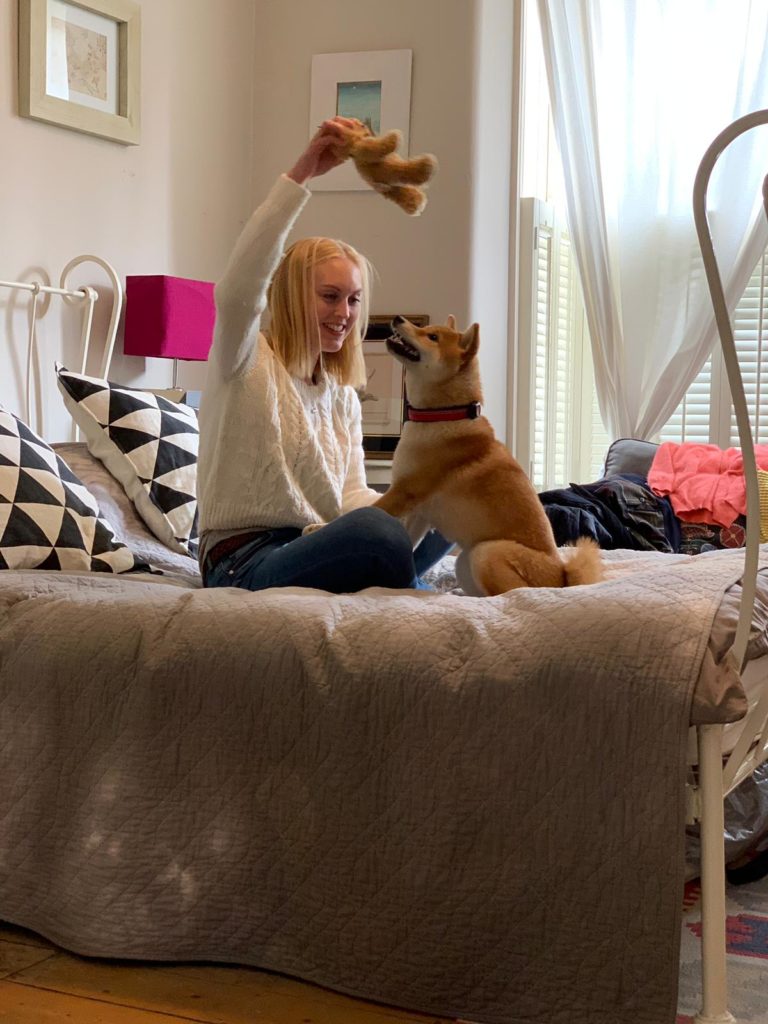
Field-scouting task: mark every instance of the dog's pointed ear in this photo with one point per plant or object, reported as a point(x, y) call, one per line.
point(451, 322)
point(470, 342)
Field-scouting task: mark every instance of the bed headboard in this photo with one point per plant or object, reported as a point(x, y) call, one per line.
point(86, 297)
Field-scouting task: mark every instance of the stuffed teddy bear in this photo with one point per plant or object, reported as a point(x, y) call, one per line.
point(377, 163)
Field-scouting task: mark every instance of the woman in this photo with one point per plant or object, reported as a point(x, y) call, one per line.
point(280, 425)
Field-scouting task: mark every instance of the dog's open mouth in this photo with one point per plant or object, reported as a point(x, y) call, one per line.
point(398, 346)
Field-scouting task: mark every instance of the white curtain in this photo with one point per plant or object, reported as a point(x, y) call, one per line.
point(639, 89)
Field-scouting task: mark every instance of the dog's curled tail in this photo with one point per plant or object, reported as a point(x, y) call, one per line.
point(582, 563)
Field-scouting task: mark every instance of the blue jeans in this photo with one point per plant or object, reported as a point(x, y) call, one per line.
point(364, 548)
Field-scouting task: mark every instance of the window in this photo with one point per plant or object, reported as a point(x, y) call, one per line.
point(565, 440)
point(560, 435)
point(706, 413)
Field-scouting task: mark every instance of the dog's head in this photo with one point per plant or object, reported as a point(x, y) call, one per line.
point(437, 352)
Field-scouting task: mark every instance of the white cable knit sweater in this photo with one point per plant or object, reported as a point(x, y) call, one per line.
point(274, 451)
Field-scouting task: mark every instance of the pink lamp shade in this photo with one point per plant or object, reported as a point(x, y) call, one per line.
point(169, 317)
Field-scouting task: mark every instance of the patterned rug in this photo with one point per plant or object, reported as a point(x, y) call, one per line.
point(747, 939)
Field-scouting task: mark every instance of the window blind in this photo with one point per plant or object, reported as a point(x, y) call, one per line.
point(567, 438)
point(691, 419)
point(750, 334)
point(706, 413)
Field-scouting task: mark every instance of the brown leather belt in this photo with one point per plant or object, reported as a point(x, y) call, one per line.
point(229, 544)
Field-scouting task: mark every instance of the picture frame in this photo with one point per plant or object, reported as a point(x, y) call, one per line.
point(80, 66)
point(383, 397)
point(371, 85)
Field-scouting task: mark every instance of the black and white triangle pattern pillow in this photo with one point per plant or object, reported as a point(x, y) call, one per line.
point(48, 518)
point(149, 444)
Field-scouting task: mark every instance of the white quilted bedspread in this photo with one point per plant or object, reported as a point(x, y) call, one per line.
point(468, 807)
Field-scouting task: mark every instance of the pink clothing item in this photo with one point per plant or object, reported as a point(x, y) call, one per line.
point(704, 483)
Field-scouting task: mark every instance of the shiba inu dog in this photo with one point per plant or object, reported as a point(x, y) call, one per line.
point(449, 472)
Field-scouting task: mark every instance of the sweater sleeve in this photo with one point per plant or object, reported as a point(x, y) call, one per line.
point(357, 494)
point(241, 294)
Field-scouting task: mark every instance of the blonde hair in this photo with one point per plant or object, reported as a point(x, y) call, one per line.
point(294, 331)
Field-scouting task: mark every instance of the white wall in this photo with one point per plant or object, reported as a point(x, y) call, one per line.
point(225, 108)
point(421, 260)
point(170, 205)
point(433, 263)
point(489, 261)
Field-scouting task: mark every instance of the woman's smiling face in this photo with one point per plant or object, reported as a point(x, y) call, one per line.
point(338, 293)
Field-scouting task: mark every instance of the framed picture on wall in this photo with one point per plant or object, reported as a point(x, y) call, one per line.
point(79, 65)
point(383, 397)
point(375, 87)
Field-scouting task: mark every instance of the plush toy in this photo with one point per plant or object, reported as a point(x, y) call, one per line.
point(377, 163)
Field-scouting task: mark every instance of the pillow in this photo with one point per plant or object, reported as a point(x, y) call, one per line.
point(119, 510)
point(149, 444)
point(628, 455)
point(48, 518)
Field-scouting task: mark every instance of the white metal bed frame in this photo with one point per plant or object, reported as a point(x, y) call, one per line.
point(716, 776)
point(86, 295)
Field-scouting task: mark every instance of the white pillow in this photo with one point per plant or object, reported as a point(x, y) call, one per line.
point(117, 508)
point(149, 444)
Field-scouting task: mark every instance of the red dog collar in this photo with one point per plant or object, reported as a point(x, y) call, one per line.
point(444, 414)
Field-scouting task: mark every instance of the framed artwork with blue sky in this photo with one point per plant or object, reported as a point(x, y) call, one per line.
point(375, 87)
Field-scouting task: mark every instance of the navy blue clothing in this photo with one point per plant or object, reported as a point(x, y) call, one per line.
point(618, 511)
point(363, 548)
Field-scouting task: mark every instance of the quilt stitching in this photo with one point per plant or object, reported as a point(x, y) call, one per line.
point(360, 805)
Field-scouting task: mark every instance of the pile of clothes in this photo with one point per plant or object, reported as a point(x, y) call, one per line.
point(618, 512)
point(692, 500)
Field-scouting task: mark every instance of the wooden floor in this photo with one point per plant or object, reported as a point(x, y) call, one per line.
point(40, 984)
